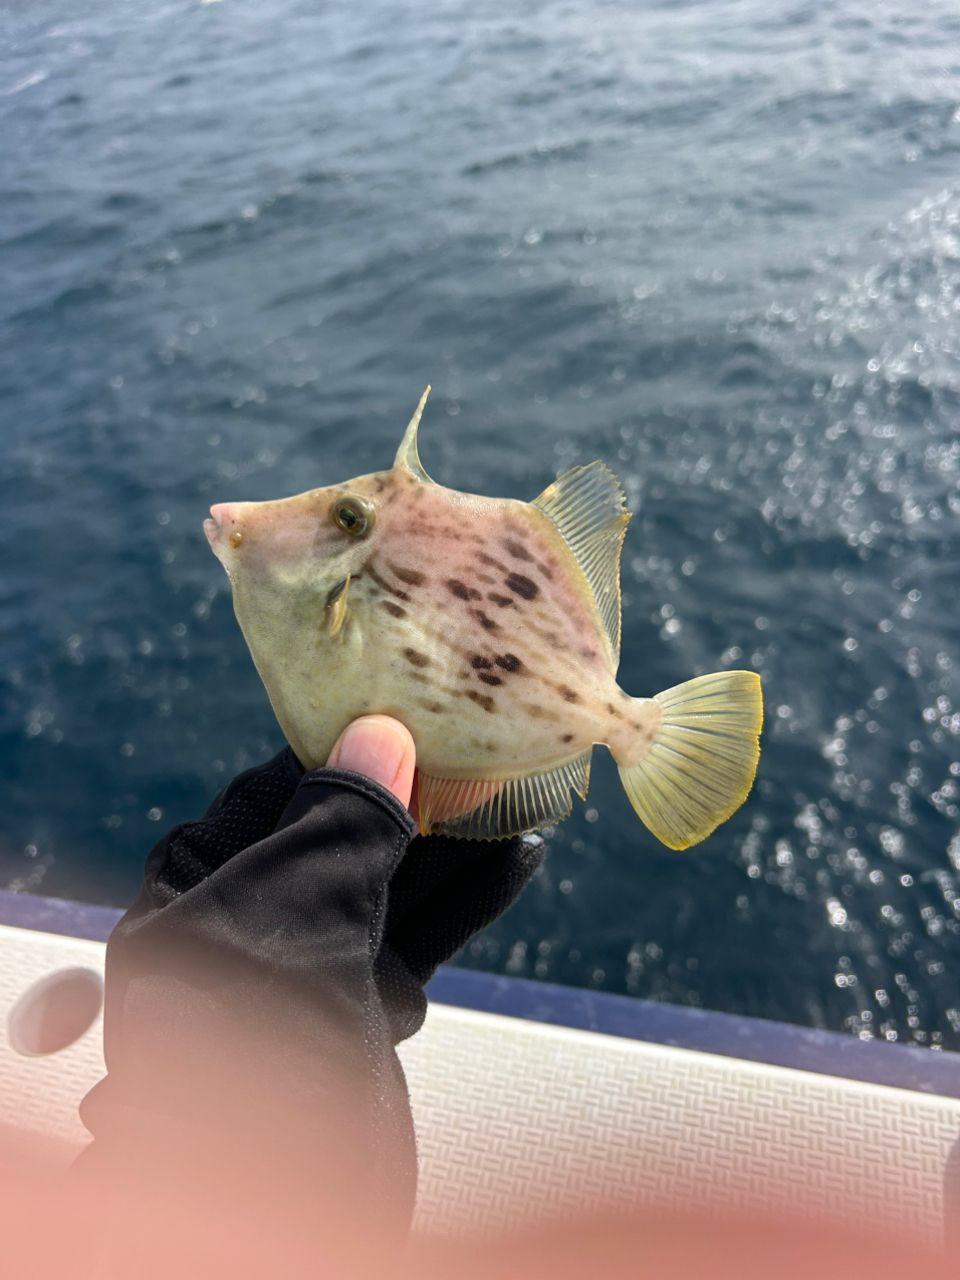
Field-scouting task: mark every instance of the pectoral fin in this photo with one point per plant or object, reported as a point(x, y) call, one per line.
point(336, 613)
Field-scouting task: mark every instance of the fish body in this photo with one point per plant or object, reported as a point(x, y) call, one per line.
point(491, 629)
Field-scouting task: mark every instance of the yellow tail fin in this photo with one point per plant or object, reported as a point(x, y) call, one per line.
point(702, 760)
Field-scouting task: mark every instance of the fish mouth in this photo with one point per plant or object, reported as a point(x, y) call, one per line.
point(220, 528)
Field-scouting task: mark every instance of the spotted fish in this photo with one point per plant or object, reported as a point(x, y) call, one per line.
point(491, 628)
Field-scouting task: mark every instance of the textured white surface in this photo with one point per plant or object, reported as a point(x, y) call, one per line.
point(516, 1119)
point(41, 1094)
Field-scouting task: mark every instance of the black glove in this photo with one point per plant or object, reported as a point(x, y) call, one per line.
point(258, 986)
point(443, 891)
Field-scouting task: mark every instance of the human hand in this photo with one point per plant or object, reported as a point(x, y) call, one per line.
point(439, 892)
point(276, 955)
point(443, 891)
point(381, 749)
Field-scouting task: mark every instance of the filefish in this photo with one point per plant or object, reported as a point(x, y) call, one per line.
point(491, 628)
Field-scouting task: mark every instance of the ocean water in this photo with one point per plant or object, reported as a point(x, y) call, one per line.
point(714, 244)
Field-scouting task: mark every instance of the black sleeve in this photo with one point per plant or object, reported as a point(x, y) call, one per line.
point(245, 1036)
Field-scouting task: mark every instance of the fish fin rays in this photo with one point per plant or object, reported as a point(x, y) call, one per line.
point(703, 757)
point(407, 456)
point(587, 507)
point(336, 611)
point(493, 809)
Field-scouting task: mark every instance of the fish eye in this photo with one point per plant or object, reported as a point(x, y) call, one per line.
point(353, 516)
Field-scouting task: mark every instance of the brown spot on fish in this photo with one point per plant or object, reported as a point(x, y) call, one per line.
point(435, 708)
point(612, 711)
point(487, 678)
point(494, 564)
point(479, 663)
point(461, 590)
point(394, 610)
point(235, 539)
point(509, 662)
point(502, 602)
point(567, 737)
point(534, 710)
point(485, 578)
point(517, 550)
point(549, 637)
point(481, 699)
point(488, 624)
point(384, 585)
point(521, 585)
point(413, 577)
point(568, 694)
point(589, 654)
point(545, 570)
point(416, 658)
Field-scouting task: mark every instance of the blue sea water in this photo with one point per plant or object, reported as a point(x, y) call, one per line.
point(714, 244)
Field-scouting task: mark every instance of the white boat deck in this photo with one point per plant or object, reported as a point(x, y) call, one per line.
point(517, 1119)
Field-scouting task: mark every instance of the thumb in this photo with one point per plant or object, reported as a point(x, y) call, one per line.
point(380, 748)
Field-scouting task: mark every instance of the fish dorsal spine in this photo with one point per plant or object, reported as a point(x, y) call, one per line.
point(408, 459)
point(587, 507)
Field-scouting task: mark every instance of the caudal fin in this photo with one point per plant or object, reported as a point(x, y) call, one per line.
point(701, 763)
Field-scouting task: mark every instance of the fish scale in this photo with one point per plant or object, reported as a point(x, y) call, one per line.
point(491, 629)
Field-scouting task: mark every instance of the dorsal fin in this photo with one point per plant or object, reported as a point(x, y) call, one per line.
point(407, 456)
point(588, 509)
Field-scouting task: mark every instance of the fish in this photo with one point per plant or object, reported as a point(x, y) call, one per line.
point(491, 628)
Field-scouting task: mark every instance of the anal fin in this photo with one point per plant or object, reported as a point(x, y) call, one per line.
point(494, 809)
